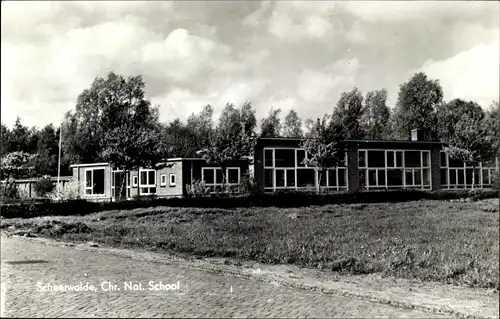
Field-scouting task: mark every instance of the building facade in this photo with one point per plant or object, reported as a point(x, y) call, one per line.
point(368, 165)
point(100, 181)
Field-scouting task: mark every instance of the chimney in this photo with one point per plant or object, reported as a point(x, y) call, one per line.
point(415, 134)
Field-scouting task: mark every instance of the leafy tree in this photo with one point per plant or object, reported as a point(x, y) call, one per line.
point(293, 125)
point(229, 141)
point(449, 114)
point(179, 140)
point(19, 138)
point(416, 107)
point(492, 128)
point(376, 115)
point(48, 151)
point(18, 165)
point(322, 146)
point(271, 125)
point(117, 124)
point(349, 112)
point(201, 124)
point(5, 136)
point(470, 143)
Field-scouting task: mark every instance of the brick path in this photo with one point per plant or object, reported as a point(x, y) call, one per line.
point(201, 294)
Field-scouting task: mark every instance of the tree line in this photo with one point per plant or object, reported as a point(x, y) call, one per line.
point(113, 121)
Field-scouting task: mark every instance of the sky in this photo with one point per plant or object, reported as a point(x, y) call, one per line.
point(281, 54)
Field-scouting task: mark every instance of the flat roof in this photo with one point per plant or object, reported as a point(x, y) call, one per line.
point(350, 141)
point(89, 164)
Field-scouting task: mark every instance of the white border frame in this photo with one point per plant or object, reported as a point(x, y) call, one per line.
point(463, 170)
point(147, 185)
point(170, 183)
point(203, 168)
point(127, 183)
point(274, 168)
point(92, 187)
point(403, 168)
point(163, 180)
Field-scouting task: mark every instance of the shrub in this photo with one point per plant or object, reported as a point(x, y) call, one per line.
point(197, 189)
point(67, 192)
point(496, 181)
point(249, 185)
point(43, 186)
point(9, 190)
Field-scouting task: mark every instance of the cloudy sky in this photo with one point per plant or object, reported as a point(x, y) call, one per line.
point(284, 54)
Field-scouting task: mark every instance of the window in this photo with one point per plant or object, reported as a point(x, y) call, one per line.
point(361, 158)
point(284, 158)
point(94, 181)
point(301, 155)
point(268, 178)
point(412, 159)
point(306, 177)
point(213, 175)
point(376, 158)
point(268, 158)
point(163, 180)
point(147, 182)
point(134, 181)
point(172, 180)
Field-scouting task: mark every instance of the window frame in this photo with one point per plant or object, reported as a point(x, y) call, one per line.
point(92, 169)
point(214, 169)
point(163, 180)
point(339, 170)
point(461, 172)
point(149, 185)
point(395, 153)
point(170, 182)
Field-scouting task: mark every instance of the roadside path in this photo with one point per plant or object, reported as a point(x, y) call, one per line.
point(200, 294)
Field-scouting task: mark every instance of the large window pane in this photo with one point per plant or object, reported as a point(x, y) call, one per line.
point(486, 176)
point(381, 177)
point(152, 178)
point(390, 159)
point(219, 179)
point(468, 176)
point(460, 176)
point(290, 178)
point(301, 155)
point(88, 178)
point(426, 175)
point(376, 158)
point(399, 158)
point(305, 177)
point(412, 159)
point(361, 159)
point(284, 158)
point(453, 176)
point(332, 177)
point(444, 162)
point(232, 175)
point(455, 162)
point(362, 177)
point(143, 178)
point(268, 178)
point(208, 175)
point(372, 175)
point(322, 178)
point(268, 158)
point(417, 176)
point(280, 178)
point(342, 177)
point(98, 180)
point(409, 177)
point(444, 176)
point(426, 159)
point(394, 177)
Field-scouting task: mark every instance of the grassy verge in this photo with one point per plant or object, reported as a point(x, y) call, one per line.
point(453, 242)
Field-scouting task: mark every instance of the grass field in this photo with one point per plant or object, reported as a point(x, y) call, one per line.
point(453, 242)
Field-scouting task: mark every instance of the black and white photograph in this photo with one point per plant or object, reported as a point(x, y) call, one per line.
point(250, 159)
